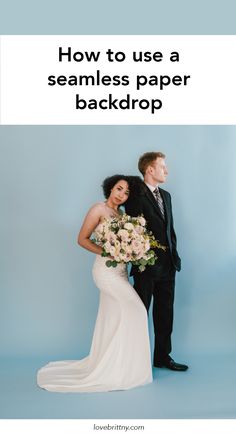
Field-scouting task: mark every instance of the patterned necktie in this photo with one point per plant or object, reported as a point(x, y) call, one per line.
point(159, 201)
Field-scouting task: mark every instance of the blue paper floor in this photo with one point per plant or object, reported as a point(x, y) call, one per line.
point(206, 390)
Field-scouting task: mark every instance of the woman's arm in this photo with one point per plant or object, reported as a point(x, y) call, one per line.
point(90, 222)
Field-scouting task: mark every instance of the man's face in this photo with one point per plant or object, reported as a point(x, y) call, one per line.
point(158, 170)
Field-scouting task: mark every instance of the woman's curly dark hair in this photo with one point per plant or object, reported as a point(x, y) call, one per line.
point(110, 182)
point(134, 182)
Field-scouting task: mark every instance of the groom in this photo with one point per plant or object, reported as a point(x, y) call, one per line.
point(158, 280)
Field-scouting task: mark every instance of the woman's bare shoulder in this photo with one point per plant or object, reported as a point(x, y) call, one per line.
point(97, 209)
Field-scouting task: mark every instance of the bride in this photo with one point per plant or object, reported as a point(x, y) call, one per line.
point(119, 358)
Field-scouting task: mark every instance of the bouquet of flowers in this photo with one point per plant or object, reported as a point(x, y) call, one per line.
point(126, 239)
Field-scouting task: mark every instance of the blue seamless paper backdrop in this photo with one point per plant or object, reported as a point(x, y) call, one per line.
point(50, 176)
point(126, 17)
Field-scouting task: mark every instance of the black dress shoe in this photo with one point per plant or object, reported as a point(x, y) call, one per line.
point(172, 365)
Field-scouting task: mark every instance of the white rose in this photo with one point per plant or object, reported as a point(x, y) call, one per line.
point(142, 221)
point(138, 229)
point(147, 245)
point(112, 251)
point(128, 226)
point(107, 246)
point(123, 234)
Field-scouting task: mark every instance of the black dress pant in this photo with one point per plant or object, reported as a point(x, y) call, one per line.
point(162, 291)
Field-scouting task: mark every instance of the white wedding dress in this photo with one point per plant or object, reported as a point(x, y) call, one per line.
point(120, 356)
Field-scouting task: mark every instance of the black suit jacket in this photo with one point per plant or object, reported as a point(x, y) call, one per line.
point(142, 201)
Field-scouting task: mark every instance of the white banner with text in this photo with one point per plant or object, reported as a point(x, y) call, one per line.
point(117, 79)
